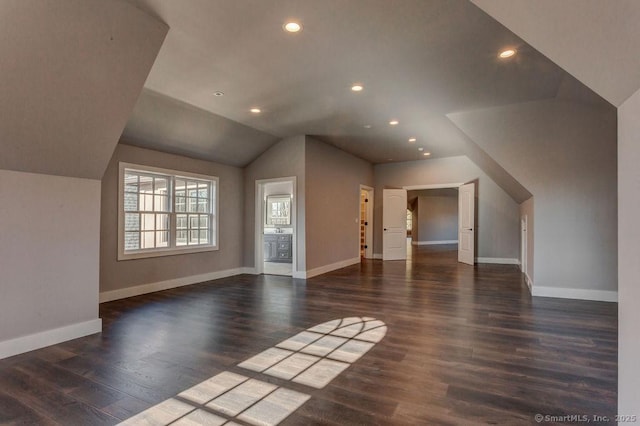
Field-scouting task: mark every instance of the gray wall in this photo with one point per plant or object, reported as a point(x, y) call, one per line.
point(65, 100)
point(628, 264)
point(498, 214)
point(437, 215)
point(565, 154)
point(527, 209)
point(415, 225)
point(333, 179)
point(49, 244)
point(115, 275)
point(284, 159)
point(67, 86)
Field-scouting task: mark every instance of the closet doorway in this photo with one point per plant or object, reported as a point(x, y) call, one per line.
point(365, 236)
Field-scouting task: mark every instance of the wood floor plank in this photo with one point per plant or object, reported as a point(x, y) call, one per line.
point(465, 345)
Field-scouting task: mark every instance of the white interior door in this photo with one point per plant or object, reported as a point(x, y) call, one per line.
point(394, 224)
point(466, 224)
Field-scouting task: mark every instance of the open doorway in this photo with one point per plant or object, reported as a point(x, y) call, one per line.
point(275, 252)
point(394, 206)
point(433, 216)
point(523, 242)
point(366, 222)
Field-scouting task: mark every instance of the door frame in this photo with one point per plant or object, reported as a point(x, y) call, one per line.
point(368, 252)
point(259, 223)
point(454, 185)
point(523, 243)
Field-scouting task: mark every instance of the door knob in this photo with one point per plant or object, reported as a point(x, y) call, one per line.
point(385, 229)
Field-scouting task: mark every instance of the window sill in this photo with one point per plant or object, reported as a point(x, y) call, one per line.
point(165, 252)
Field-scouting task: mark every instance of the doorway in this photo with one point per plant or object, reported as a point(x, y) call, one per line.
point(436, 217)
point(275, 250)
point(523, 241)
point(365, 230)
point(433, 216)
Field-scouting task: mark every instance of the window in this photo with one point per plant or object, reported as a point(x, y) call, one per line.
point(164, 212)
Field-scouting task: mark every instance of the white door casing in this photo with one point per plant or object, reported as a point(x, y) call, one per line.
point(394, 224)
point(466, 223)
point(523, 240)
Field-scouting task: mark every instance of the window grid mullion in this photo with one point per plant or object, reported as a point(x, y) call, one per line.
point(154, 234)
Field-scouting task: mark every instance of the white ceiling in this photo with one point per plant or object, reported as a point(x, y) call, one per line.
point(419, 60)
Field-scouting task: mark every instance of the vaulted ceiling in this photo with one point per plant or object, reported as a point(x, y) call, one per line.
point(73, 72)
point(418, 61)
point(70, 74)
point(596, 41)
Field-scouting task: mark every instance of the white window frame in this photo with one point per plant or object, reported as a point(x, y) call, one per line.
point(172, 249)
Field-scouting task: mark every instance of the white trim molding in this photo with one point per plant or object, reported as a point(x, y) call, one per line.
point(248, 270)
point(575, 293)
point(123, 293)
point(433, 186)
point(172, 248)
point(431, 243)
point(326, 268)
point(498, 260)
point(529, 283)
point(46, 338)
point(258, 254)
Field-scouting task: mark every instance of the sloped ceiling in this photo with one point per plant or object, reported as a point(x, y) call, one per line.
point(417, 59)
point(547, 145)
point(164, 123)
point(71, 72)
point(490, 166)
point(596, 41)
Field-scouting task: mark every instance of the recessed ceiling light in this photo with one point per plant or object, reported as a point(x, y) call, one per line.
point(421, 149)
point(507, 53)
point(367, 126)
point(426, 154)
point(357, 88)
point(255, 110)
point(412, 140)
point(218, 93)
point(292, 27)
point(394, 122)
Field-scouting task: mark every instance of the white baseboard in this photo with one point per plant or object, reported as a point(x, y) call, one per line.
point(498, 260)
point(377, 255)
point(575, 293)
point(108, 296)
point(46, 338)
point(431, 243)
point(326, 268)
point(248, 270)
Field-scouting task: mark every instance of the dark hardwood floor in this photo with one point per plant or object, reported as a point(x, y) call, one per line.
point(464, 345)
